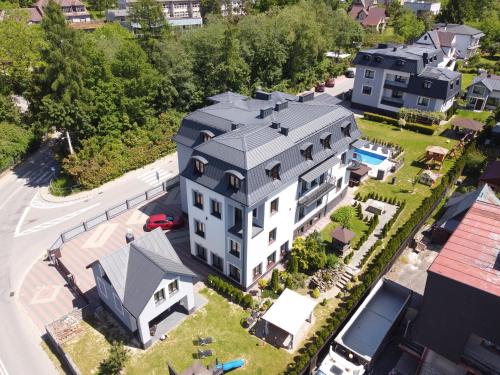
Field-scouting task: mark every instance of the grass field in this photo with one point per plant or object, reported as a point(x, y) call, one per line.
point(358, 227)
point(478, 116)
point(466, 80)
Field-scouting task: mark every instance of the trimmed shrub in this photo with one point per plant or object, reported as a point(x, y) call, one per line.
point(230, 291)
point(315, 294)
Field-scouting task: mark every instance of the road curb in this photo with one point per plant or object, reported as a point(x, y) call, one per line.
point(47, 197)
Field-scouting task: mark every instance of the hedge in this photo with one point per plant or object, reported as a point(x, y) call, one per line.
point(419, 128)
point(373, 270)
point(15, 143)
point(230, 291)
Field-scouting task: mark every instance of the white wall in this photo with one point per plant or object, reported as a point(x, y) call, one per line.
point(151, 310)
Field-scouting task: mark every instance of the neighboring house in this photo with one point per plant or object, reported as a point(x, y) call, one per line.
point(391, 77)
point(143, 282)
point(428, 178)
point(445, 41)
point(455, 210)
point(467, 38)
point(256, 172)
point(491, 175)
point(419, 7)
point(369, 16)
point(484, 93)
point(73, 10)
point(458, 321)
point(179, 13)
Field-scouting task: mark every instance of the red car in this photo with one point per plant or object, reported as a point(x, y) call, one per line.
point(164, 222)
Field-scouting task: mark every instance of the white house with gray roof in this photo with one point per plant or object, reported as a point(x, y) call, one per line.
point(256, 172)
point(390, 77)
point(143, 282)
point(467, 38)
point(484, 92)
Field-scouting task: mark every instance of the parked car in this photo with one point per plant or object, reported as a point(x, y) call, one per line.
point(164, 222)
point(350, 73)
point(320, 87)
point(330, 82)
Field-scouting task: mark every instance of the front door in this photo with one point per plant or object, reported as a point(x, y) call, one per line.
point(479, 104)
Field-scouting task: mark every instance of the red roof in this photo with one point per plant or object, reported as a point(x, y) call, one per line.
point(492, 173)
point(375, 16)
point(355, 11)
point(472, 254)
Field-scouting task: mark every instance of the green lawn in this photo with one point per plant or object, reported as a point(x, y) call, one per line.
point(358, 227)
point(218, 318)
point(479, 116)
point(466, 80)
point(414, 145)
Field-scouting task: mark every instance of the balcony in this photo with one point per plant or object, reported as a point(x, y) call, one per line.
point(392, 102)
point(256, 230)
point(317, 193)
point(390, 83)
point(236, 230)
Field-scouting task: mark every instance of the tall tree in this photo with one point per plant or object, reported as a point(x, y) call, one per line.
point(408, 25)
point(209, 7)
point(149, 23)
point(457, 11)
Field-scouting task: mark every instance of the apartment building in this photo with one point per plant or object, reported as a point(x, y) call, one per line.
point(391, 77)
point(256, 172)
point(418, 7)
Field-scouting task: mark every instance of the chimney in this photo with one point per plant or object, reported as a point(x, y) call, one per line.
point(394, 49)
point(129, 237)
point(234, 126)
point(262, 95)
point(425, 55)
point(307, 97)
point(264, 112)
point(280, 105)
point(284, 130)
point(275, 125)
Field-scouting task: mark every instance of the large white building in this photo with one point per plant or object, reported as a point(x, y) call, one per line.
point(257, 172)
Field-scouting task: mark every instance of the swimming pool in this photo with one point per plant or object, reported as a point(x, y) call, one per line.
point(368, 157)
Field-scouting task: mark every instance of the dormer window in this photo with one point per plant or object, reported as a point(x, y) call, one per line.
point(234, 179)
point(199, 164)
point(306, 150)
point(366, 57)
point(427, 84)
point(379, 59)
point(400, 62)
point(346, 129)
point(273, 170)
point(326, 140)
point(206, 135)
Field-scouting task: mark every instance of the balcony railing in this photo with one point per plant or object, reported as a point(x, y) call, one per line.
point(393, 102)
point(391, 82)
point(317, 193)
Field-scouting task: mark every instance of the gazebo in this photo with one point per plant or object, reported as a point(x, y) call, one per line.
point(462, 123)
point(341, 239)
point(437, 153)
point(289, 314)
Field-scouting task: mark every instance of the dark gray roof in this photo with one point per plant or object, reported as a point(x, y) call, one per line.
point(458, 29)
point(456, 207)
point(320, 169)
point(491, 82)
point(247, 143)
point(442, 74)
point(136, 269)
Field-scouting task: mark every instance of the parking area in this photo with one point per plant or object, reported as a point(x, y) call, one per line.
point(45, 294)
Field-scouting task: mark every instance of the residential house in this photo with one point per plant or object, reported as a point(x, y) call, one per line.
point(458, 320)
point(455, 210)
point(467, 38)
point(256, 172)
point(484, 92)
point(445, 41)
point(143, 283)
point(491, 175)
point(391, 77)
point(73, 10)
point(418, 6)
point(368, 15)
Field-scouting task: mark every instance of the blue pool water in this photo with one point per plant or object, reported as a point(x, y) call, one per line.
point(368, 157)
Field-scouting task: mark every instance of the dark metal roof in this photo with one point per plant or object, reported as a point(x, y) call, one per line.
point(492, 172)
point(200, 158)
point(458, 29)
point(136, 269)
point(320, 169)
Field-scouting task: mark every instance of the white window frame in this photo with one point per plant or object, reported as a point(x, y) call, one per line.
point(178, 287)
point(369, 70)
point(423, 105)
point(371, 90)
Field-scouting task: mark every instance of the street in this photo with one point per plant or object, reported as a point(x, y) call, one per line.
point(29, 224)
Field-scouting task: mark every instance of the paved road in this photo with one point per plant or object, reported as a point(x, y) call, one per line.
point(29, 225)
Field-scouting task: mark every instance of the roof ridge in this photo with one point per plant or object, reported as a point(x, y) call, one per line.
point(146, 253)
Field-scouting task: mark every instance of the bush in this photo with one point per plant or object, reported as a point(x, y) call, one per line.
point(310, 253)
point(293, 266)
point(332, 261)
point(295, 281)
point(344, 216)
point(419, 128)
point(15, 142)
point(230, 291)
point(117, 357)
point(275, 281)
point(315, 293)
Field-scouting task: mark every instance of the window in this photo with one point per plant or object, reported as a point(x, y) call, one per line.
point(198, 199)
point(271, 259)
point(234, 273)
point(284, 249)
point(199, 228)
point(205, 137)
point(274, 206)
point(199, 167)
point(339, 184)
point(369, 73)
point(322, 179)
point(234, 248)
point(257, 271)
point(274, 173)
point(314, 183)
point(366, 57)
point(173, 287)
point(478, 90)
point(451, 85)
point(201, 252)
point(397, 94)
point(327, 141)
point(217, 262)
point(400, 79)
point(423, 101)
point(215, 208)
point(159, 296)
point(234, 181)
point(367, 90)
point(272, 236)
point(308, 153)
point(458, 82)
point(401, 62)
point(346, 130)
point(303, 188)
point(254, 213)
point(318, 202)
point(427, 84)
point(238, 216)
point(343, 158)
point(379, 58)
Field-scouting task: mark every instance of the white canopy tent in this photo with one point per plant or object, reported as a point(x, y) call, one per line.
point(289, 313)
